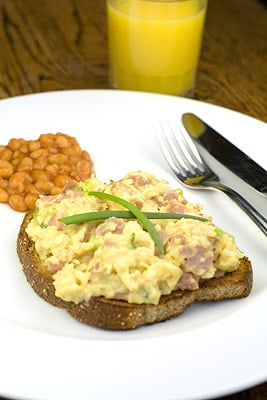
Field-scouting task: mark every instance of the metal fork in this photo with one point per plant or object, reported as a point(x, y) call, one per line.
point(188, 166)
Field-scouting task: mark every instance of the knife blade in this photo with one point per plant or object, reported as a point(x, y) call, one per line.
point(226, 152)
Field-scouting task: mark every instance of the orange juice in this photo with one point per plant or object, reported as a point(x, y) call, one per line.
point(154, 45)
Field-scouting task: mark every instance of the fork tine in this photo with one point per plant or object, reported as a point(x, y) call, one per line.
point(182, 157)
point(183, 147)
point(167, 149)
point(193, 151)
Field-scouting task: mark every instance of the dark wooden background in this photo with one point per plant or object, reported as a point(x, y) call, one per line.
point(62, 44)
point(50, 45)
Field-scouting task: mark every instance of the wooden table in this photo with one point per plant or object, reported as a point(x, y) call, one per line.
point(50, 45)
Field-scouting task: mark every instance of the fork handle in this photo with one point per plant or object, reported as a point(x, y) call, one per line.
point(254, 214)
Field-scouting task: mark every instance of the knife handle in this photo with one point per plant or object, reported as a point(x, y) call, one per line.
point(254, 214)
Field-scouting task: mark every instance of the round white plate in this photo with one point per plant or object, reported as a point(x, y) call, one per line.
point(212, 349)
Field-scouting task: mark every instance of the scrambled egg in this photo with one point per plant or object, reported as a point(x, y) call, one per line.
point(117, 258)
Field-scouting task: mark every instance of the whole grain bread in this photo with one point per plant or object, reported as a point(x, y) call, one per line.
point(121, 315)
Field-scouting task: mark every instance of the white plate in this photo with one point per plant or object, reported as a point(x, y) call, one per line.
point(211, 350)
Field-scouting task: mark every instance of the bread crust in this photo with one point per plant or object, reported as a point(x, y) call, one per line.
point(121, 315)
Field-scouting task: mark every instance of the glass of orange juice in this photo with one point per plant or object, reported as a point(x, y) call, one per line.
point(154, 45)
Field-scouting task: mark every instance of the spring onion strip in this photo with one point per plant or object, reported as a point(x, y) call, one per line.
point(101, 215)
point(133, 211)
point(136, 212)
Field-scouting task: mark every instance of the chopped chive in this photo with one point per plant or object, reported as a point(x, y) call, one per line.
point(101, 215)
point(134, 212)
point(132, 238)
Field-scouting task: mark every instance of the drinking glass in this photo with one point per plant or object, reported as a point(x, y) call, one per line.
point(154, 45)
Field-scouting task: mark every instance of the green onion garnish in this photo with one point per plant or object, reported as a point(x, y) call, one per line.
point(142, 218)
point(134, 212)
point(101, 215)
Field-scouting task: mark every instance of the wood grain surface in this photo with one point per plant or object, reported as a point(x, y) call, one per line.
point(62, 44)
point(233, 64)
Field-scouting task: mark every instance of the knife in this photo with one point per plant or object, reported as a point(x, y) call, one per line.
point(226, 152)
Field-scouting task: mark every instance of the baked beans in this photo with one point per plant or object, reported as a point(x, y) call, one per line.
point(29, 168)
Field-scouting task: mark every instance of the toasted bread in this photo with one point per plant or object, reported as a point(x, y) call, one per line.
point(119, 314)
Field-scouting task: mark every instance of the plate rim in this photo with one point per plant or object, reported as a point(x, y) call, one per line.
point(241, 385)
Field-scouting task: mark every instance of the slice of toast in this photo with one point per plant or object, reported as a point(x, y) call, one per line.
point(119, 314)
